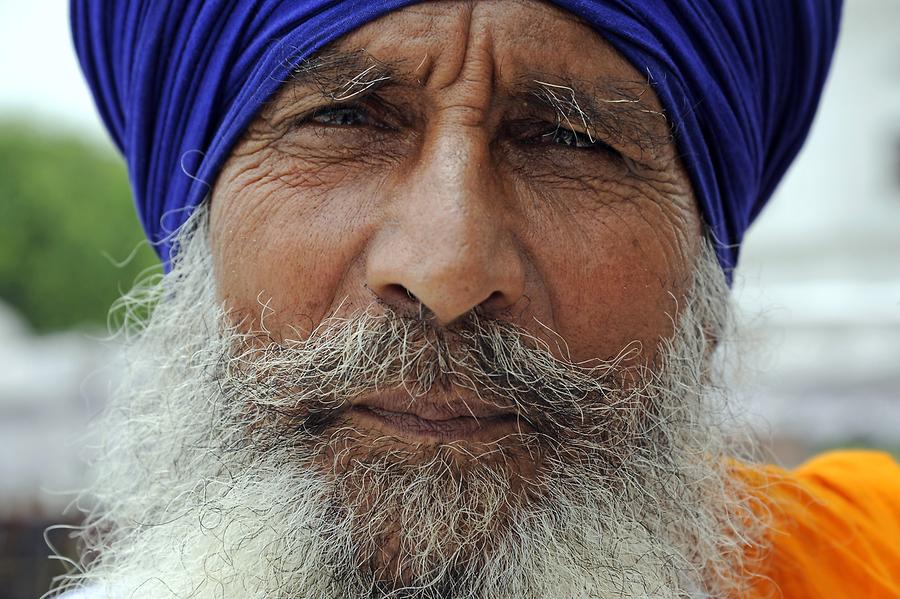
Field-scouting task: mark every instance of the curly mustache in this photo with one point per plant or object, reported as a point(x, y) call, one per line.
point(309, 384)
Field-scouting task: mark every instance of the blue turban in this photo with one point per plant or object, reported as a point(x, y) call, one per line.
point(177, 82)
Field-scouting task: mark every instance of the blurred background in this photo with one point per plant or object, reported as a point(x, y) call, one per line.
point(818, 287)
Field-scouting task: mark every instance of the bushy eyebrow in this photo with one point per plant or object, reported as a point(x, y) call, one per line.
point(614, 110)
point(341, 75)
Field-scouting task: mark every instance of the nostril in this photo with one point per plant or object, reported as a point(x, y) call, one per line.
point(397, 295)
point(495, 301)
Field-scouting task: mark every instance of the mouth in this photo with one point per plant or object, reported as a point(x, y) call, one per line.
point(435, 420)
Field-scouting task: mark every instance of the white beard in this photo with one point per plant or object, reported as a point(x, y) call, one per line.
point(202, 494)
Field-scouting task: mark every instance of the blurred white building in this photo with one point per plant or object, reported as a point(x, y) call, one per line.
point(819, 278)
point(49, 388)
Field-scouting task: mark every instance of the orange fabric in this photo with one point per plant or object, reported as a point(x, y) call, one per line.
point(836, 529)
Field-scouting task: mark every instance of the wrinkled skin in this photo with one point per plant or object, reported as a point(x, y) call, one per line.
point(447, 192)
point(453, 187)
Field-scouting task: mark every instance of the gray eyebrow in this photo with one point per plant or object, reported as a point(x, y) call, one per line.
point(341, 75)
point(615, 110)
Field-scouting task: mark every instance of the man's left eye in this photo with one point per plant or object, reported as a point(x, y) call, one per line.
point(341, 116)
point(573, 139)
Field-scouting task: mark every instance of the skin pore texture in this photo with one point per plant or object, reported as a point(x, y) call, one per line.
point(444, 328)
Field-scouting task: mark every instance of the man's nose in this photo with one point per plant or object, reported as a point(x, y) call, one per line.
point(446, 243)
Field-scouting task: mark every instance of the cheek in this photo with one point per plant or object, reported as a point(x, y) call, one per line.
point(617, 265)
point(286, 240)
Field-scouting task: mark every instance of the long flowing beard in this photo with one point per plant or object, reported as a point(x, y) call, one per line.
point(226, 469)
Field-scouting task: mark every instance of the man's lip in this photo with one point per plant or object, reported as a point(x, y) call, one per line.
point(434, 406)
point(436, 417)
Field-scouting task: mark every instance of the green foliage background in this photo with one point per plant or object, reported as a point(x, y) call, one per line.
point(66, 224)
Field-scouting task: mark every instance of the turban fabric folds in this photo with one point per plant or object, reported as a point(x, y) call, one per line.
point(177, 83)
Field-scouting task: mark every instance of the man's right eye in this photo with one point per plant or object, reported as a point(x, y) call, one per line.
point(340, 116)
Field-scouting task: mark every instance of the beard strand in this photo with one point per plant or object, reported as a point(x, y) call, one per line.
point(225, 469)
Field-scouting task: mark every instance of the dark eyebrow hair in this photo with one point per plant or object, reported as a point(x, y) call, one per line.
point(610, 109)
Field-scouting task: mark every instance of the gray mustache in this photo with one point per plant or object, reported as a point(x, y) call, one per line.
point(312, 381)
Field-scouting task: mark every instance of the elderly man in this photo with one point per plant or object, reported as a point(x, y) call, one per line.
point(444, 285)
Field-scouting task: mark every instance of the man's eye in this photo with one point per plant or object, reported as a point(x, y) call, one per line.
point(341, 116)
point(574, 139)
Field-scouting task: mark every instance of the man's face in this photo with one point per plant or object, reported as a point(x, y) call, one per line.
point(463, 349)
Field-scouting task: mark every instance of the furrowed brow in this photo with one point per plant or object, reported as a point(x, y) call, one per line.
point(340, 75)
point(616, 111)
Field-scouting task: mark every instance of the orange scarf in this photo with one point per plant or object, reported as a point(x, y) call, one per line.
point(835, 528)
